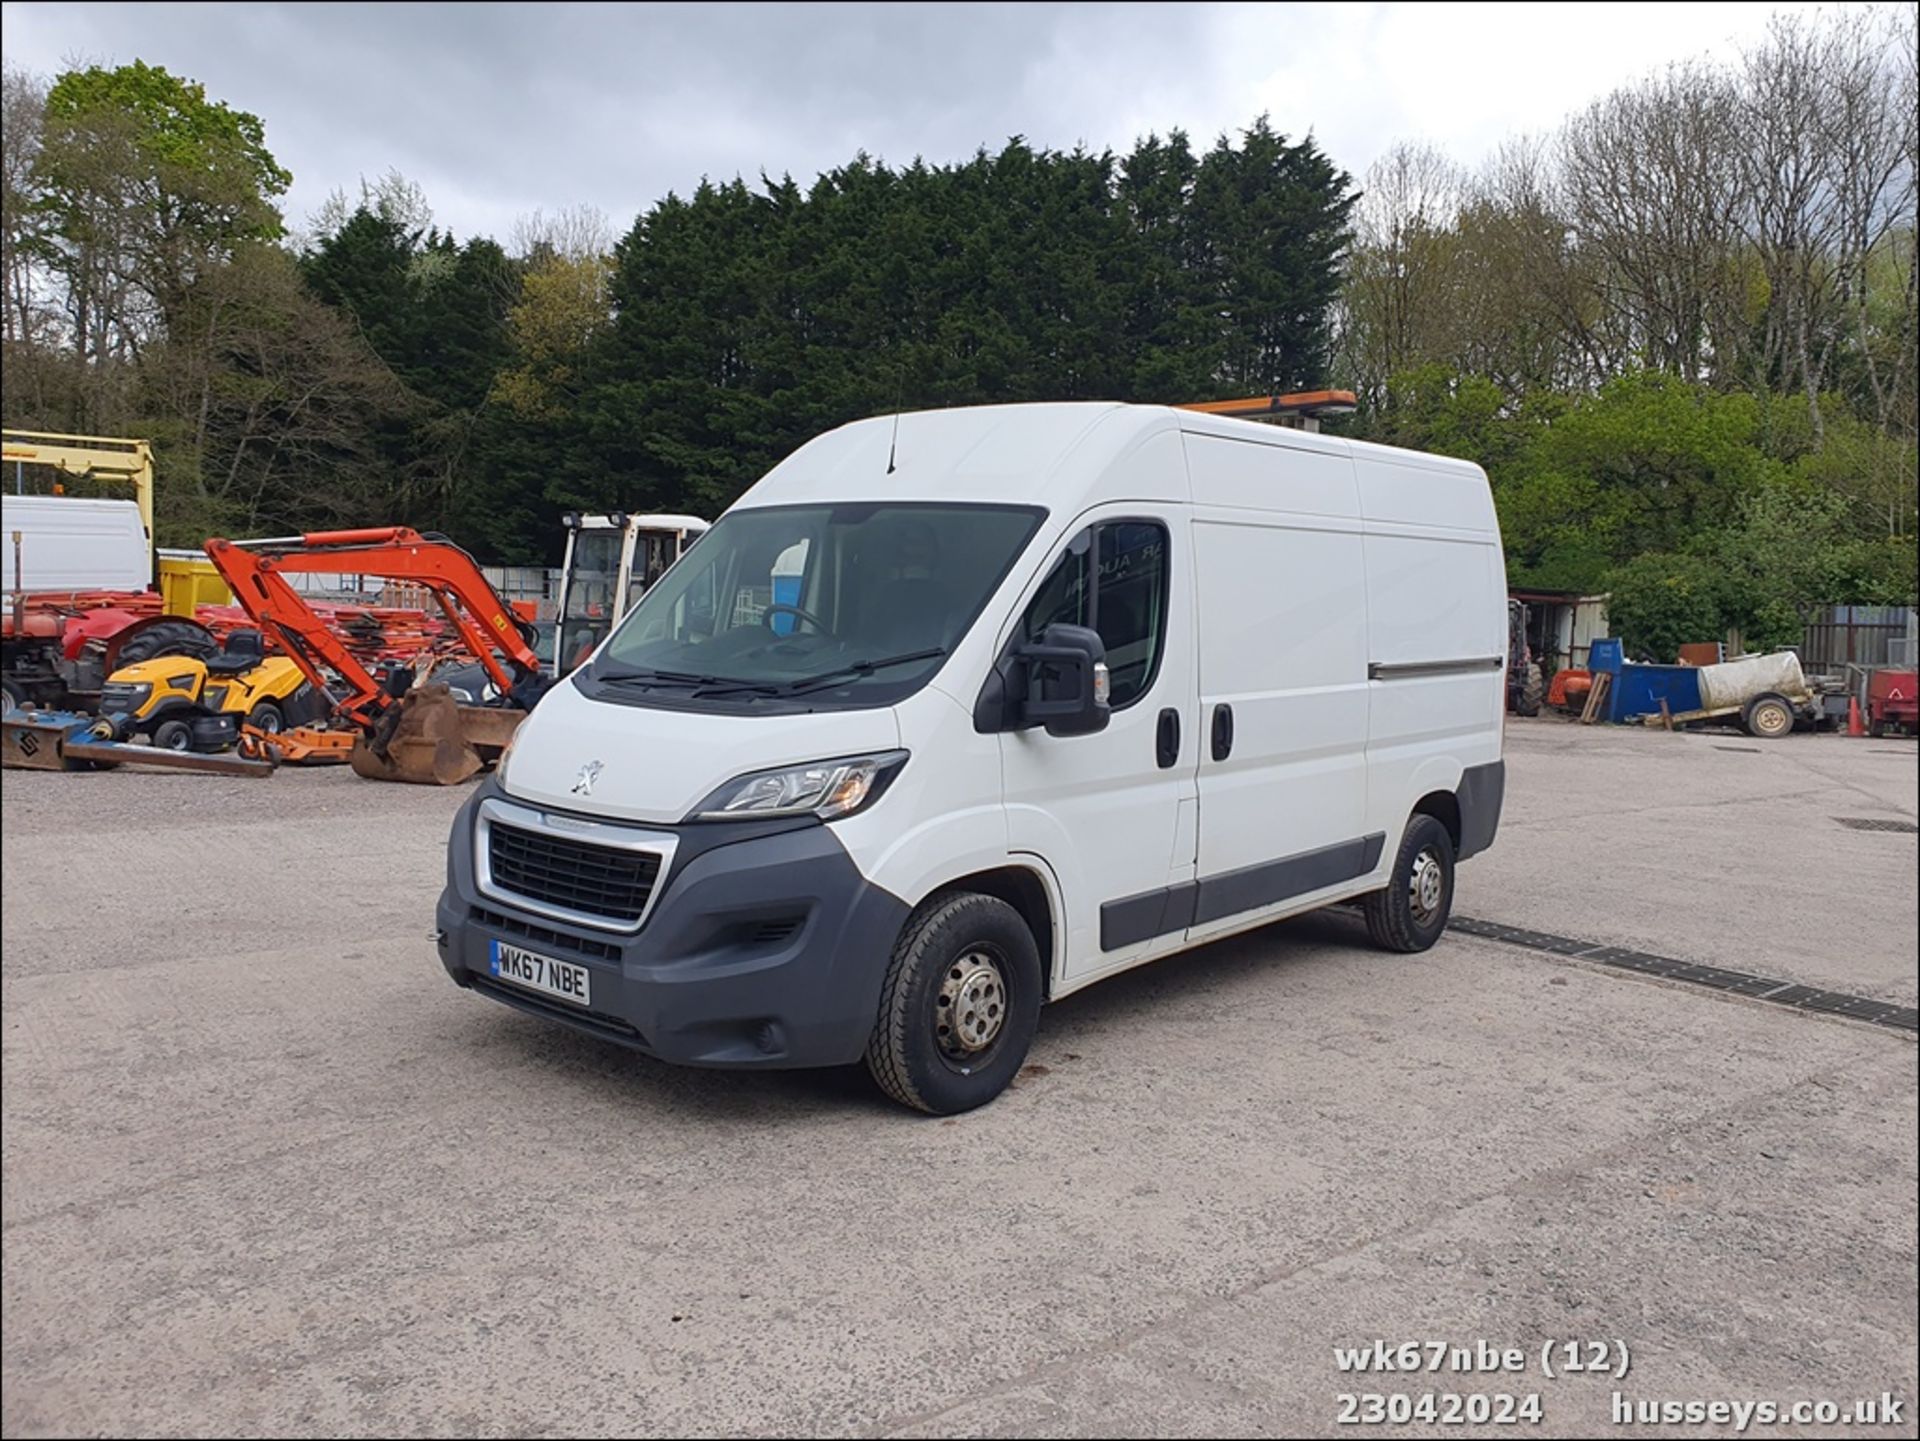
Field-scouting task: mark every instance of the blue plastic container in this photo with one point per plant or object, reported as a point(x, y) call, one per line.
point(1637, 690)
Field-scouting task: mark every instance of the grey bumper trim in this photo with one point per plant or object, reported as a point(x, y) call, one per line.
point(1482, 790)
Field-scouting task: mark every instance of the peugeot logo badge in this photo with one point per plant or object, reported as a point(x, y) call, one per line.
point(589, 773)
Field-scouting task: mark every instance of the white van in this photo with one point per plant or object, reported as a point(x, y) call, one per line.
point(1064, 688)
point(71, 542)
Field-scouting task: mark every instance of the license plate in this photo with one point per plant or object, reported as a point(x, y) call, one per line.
point(533, 972)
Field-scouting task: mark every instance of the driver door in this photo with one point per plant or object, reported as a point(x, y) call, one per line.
point(1114, 813)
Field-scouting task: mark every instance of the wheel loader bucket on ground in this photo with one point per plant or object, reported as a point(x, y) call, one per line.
point(430, 739)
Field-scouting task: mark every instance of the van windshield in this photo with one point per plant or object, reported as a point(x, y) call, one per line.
point(816, 605)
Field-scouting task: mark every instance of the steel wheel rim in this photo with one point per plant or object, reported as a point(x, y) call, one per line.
point(269, 722)
point(970, 1008)
point(1771, 720)
point(1426, 886)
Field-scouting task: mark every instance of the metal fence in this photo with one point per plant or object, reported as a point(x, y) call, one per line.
point(1865, 635)
point(537, 583)
point(527, 582)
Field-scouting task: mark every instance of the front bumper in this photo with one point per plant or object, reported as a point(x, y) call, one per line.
point(763, 947)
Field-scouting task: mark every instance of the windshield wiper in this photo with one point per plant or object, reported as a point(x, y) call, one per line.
point(649, 677)
point(686, 680)
point(859, 668)
point(722, 686)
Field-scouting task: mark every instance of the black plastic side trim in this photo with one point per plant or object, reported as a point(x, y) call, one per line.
point(1129, 921)
point(1132, 919)
point(1482, 789)
point(1270, 882)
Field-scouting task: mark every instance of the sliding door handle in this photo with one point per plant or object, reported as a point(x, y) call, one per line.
point(1222, 731)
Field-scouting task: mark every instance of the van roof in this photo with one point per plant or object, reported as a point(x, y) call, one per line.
point(1035, 453)
point(970, 453)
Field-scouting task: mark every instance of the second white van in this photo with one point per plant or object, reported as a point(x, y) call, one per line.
point(957, 712)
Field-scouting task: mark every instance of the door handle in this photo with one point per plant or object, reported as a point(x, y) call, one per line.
point(1222, 731)
point(1166, 741)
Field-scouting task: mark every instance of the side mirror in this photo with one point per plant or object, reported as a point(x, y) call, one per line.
point(1067, 685)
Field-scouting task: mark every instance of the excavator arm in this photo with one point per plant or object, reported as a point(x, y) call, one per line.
point(408, 735)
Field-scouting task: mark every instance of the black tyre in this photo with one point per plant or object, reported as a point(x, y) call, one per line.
point(958, 1007)
point(267, 717)
point(1533, 690)
point(173, 735)
point(1412, 911)
point(1768, 717)
point(167, 637)
point(16, 697)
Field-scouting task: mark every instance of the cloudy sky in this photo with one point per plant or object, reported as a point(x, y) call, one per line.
point(499, 109)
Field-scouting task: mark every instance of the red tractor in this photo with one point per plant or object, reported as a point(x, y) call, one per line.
point(1526, 688)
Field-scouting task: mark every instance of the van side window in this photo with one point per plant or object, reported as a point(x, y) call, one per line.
point(1113, 578)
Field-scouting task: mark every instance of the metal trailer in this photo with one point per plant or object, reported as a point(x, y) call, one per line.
point(38, 740)
point(1891, 701)
point(1767, 694)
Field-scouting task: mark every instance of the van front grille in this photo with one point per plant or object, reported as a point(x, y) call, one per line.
point(573, 875)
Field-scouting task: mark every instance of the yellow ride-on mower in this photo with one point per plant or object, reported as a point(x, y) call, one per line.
point(186, 703)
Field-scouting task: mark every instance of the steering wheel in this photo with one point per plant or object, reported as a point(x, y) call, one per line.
point(806, 615)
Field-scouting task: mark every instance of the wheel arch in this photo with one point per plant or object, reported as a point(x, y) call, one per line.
point(1434, 783)
point(1027, 891)
point(1444, 807)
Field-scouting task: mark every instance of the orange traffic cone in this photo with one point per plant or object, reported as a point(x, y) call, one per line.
point(1855, 727)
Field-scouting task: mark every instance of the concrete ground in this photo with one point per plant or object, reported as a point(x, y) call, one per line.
point(266, 1170)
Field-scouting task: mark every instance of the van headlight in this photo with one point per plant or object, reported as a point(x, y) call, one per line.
point(826, 789)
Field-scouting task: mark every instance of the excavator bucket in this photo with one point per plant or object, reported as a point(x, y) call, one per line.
point(430, 739)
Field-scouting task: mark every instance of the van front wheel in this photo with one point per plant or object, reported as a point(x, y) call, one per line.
point(959, 1005)
point(1412, 911)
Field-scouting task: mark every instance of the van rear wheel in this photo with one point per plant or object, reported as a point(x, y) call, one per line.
point(959, 1005)
point(1412, 911)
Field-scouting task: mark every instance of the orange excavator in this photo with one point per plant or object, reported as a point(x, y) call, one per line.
point(405, 733)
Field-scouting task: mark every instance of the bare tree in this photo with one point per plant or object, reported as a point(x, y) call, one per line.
point(271, 402)
point(1651, 184)
point(1400, 301)
point(577, 232)
point(1872, 124)
point(26, 321)
point(392, 197)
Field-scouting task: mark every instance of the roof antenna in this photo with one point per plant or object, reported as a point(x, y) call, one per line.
point(899, 401)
